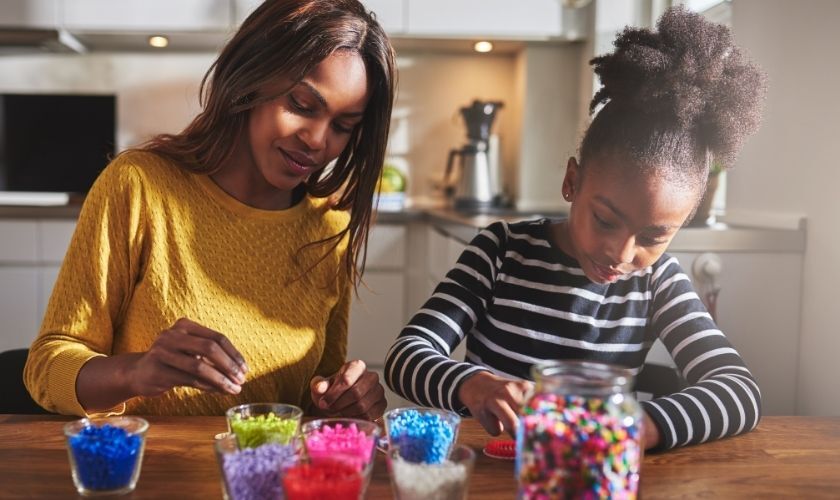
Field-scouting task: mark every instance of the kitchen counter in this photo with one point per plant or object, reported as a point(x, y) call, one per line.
point(463, 227)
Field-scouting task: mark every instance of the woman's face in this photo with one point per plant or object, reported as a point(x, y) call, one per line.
point(621, 221)
point(299, 133)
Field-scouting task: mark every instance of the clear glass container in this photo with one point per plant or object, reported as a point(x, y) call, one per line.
point(580, 433)
point(106, 454)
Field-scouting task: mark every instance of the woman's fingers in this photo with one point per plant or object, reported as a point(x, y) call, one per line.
point(202, 331)
point(198, 341)
point(197, 371)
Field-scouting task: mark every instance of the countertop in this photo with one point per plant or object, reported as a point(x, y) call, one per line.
point(720, 237)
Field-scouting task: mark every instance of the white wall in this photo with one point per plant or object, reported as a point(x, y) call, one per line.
point(792, 166)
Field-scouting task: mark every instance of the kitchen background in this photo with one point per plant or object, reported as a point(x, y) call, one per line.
point(777, 280)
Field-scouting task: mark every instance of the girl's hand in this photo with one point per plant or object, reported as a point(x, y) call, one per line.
point(188, 354)
point(353, 392)
point(495, 401)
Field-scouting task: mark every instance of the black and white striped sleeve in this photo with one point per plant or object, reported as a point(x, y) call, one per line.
point(418, 366)
point(723, 398)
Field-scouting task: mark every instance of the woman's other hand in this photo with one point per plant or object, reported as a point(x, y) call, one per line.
point(353, 392)
point(189, 354)
point(494, 401)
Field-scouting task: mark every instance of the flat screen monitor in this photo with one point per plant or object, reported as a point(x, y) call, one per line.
point(55, 143)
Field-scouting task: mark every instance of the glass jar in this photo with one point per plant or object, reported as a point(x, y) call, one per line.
point(580, 433)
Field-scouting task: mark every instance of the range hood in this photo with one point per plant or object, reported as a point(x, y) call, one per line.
point(29, 40)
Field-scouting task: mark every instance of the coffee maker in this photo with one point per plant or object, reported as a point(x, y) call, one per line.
point(478, 187)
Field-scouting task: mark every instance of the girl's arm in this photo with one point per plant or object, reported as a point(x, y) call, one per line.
point(418, 366)
point(723, 398)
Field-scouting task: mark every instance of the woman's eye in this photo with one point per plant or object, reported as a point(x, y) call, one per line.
point(297, 105)
point(342, 129)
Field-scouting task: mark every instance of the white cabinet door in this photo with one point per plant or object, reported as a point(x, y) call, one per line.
point(55, 236)
point(19, 241)
point(29, 13)
point(758, 309)
point(19, 320)
point(147, 15)
point(386, 247)
point(390, 14)
point(376, 317)
point(468, 18)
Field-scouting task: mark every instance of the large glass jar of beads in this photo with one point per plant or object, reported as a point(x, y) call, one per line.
point(579, 433)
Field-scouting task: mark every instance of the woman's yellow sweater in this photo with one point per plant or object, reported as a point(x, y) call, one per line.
point(155, 243)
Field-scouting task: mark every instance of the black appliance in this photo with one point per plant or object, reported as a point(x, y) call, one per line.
point(53, 142)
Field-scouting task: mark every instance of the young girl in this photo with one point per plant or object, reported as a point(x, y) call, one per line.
point(207, 268)
point(598, 285)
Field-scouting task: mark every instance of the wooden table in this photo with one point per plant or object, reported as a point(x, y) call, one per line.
point(791, 457)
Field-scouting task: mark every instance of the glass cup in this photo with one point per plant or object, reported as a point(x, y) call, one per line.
point(424, 435)
point(256, 424)
point(106, 453)
point(333, 479)
point(346, 440)
point(447, 480)
point(253, 472)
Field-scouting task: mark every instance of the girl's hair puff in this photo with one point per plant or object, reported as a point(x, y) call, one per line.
point(675, 100)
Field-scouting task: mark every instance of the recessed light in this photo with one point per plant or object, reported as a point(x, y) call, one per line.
point(483, 46)
point(158, 41)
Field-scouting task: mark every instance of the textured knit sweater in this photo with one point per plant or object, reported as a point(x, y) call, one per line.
point(155, 243)
point(517, 299)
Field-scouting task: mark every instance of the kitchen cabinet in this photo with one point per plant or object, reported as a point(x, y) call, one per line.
point(30, 257)
point(758, 309)
point(147, 15)
point(389, 13)
point(527, 19)
point(29, 13)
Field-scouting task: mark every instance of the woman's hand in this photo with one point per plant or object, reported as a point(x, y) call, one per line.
point(494, 401)
point(353, 392)
point(188, 354)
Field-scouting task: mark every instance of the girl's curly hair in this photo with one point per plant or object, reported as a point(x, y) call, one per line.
point(675, 100)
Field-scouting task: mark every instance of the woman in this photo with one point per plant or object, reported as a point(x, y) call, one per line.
point(207, 268)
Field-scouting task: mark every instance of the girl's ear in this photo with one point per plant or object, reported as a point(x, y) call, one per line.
point(570, 181)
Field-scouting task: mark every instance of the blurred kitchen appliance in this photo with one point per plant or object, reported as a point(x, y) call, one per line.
point(478, 184)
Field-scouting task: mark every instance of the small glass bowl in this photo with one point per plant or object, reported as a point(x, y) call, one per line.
point(256, 424)
point(106, 454)
point(419, 481)
point(347, 440)
point(424, 435)
point(253, 472)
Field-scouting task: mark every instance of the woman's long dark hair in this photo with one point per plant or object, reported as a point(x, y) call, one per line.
point(286, 39)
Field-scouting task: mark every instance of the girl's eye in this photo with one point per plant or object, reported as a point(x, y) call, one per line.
point(601, 222)
point(649, 242)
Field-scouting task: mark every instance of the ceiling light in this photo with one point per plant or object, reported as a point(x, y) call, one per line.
point(158, 41)
point(483, 46)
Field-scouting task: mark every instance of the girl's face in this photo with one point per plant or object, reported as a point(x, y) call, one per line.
point(299, 133)
point(620, 221)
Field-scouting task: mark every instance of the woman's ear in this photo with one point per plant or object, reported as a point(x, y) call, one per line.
point(570, 181)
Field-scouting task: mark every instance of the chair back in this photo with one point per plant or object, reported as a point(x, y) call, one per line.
point(14, 398)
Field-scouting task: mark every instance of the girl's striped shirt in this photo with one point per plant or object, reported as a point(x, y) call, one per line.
point(517, 299)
